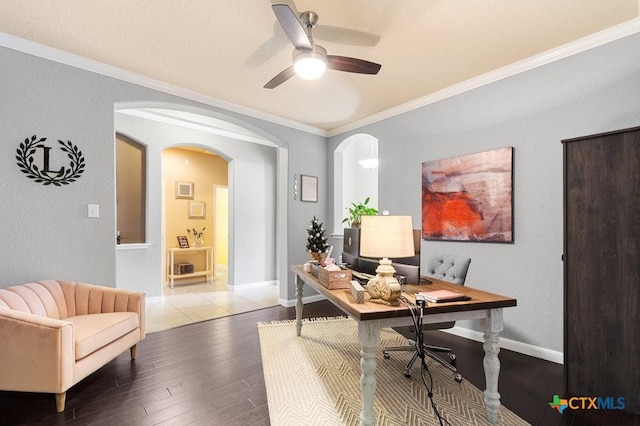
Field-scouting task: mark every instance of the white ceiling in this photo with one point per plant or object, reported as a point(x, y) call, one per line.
point(228, 49)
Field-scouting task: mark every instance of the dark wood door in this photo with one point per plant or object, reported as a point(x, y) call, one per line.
point(602, 266)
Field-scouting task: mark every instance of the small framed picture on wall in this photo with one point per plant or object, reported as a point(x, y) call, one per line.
point(184, 190)
point(309, 186)
point(183, 242)
point(197, 210)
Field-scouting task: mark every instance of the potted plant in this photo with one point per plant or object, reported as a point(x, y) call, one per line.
point(316, 241)
point(356, 211)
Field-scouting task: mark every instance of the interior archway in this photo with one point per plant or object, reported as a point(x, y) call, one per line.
point(354, 179)
point(215, 134)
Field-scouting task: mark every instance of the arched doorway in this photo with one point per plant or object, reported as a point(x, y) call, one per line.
point(162, 127)
point(356, 175)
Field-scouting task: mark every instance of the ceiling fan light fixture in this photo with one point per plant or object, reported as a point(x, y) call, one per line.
point(310, 64)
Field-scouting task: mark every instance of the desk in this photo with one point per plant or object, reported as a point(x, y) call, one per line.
point(371, 317)
point(207, 272)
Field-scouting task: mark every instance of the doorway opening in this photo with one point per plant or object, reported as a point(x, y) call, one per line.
point(355, 176)
point(256, 175)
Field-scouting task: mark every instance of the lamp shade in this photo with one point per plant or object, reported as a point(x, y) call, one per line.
point(386, 236)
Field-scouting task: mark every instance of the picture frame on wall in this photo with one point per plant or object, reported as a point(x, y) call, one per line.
point(183, 242)
point(469, 197)
point(197, 209)
point(309, 186)
point(184, 190)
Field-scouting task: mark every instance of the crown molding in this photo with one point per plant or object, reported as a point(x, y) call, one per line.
point(581, 45)
point(56, 55)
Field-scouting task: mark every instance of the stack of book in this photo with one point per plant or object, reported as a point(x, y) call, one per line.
point(439, 296)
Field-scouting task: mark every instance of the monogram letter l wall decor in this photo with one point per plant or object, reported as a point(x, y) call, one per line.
point(43, 174)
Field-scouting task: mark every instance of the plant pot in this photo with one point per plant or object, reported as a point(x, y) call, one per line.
point(318, 257)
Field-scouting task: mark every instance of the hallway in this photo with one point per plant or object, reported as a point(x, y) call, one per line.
point(190, 303)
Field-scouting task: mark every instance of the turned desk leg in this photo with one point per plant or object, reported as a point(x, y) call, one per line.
point(492, 326)
point(299, 305)
point(369, 337)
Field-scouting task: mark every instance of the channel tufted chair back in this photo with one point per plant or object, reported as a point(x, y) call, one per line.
point(63, 299)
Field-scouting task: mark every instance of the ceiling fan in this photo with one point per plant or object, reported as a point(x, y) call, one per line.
point(309, 59)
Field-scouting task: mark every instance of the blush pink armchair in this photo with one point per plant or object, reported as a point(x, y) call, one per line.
point(55, 333)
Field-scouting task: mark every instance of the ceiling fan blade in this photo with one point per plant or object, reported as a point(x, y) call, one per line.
point(292, 26)
point(268, 49)
point(359, 66)
point(345, 36)
point(283, 76)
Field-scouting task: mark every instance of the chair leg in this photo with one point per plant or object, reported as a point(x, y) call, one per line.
point(60, 401)
point(429, 350)
point(438, 348)
point(441, 361)
point(450, 366)
point(132, 351)
point(407, 369)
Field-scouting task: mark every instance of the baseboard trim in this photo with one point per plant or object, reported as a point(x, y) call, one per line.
point(512, 345)
point(308, 299)
point(255, 284)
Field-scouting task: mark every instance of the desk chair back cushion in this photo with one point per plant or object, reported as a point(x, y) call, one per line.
point(449, 268)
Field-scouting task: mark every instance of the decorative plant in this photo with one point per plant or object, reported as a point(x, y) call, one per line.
point(356, 211)
point(196, 233)
point(316, 241)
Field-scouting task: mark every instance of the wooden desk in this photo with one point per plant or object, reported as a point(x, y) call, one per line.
point(207, 272)
point(371, 317)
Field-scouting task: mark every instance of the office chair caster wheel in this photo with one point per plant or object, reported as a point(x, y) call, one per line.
point(458, 378)
point(452, 359)
point(386, 355)
point(407, 374)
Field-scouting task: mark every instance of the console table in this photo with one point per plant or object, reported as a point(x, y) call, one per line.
point(207, 272)
point(371, 317)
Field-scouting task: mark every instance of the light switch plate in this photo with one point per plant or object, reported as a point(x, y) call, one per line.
point(93, 210)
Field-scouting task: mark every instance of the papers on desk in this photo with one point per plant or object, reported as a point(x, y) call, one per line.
point(440, 296)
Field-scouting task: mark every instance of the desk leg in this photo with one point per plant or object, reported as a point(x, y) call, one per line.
point(492, 326)
point(299, 285)
point(369, 337)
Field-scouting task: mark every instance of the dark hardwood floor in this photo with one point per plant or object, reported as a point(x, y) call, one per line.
point(210, 373)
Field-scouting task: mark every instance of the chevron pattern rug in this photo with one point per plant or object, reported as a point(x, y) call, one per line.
point(315, 380)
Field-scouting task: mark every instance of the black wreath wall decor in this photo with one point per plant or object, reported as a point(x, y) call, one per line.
point(63, 176)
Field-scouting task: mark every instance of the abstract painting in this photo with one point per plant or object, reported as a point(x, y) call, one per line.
point(469, 198)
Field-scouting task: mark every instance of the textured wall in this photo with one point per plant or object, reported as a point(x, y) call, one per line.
point(45, 230)
point(593, 92)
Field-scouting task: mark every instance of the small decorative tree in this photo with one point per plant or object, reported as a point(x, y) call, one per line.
point(316, 241)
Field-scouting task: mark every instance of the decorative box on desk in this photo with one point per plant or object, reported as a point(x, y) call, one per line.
point(183, 268)
point(334, 279)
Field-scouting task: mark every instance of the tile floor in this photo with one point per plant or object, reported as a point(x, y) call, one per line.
point(189, 303)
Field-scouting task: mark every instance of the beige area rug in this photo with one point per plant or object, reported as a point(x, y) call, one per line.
point(315, 380)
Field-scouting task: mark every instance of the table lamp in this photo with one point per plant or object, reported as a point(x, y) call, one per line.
point(385, 237)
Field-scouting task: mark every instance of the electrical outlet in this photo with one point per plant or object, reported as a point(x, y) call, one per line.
point(93, 210)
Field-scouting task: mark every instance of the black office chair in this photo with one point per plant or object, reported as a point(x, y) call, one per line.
point(446, 268)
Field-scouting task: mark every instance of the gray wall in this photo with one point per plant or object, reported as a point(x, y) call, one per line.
point(592, 92)
point(46, 233)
